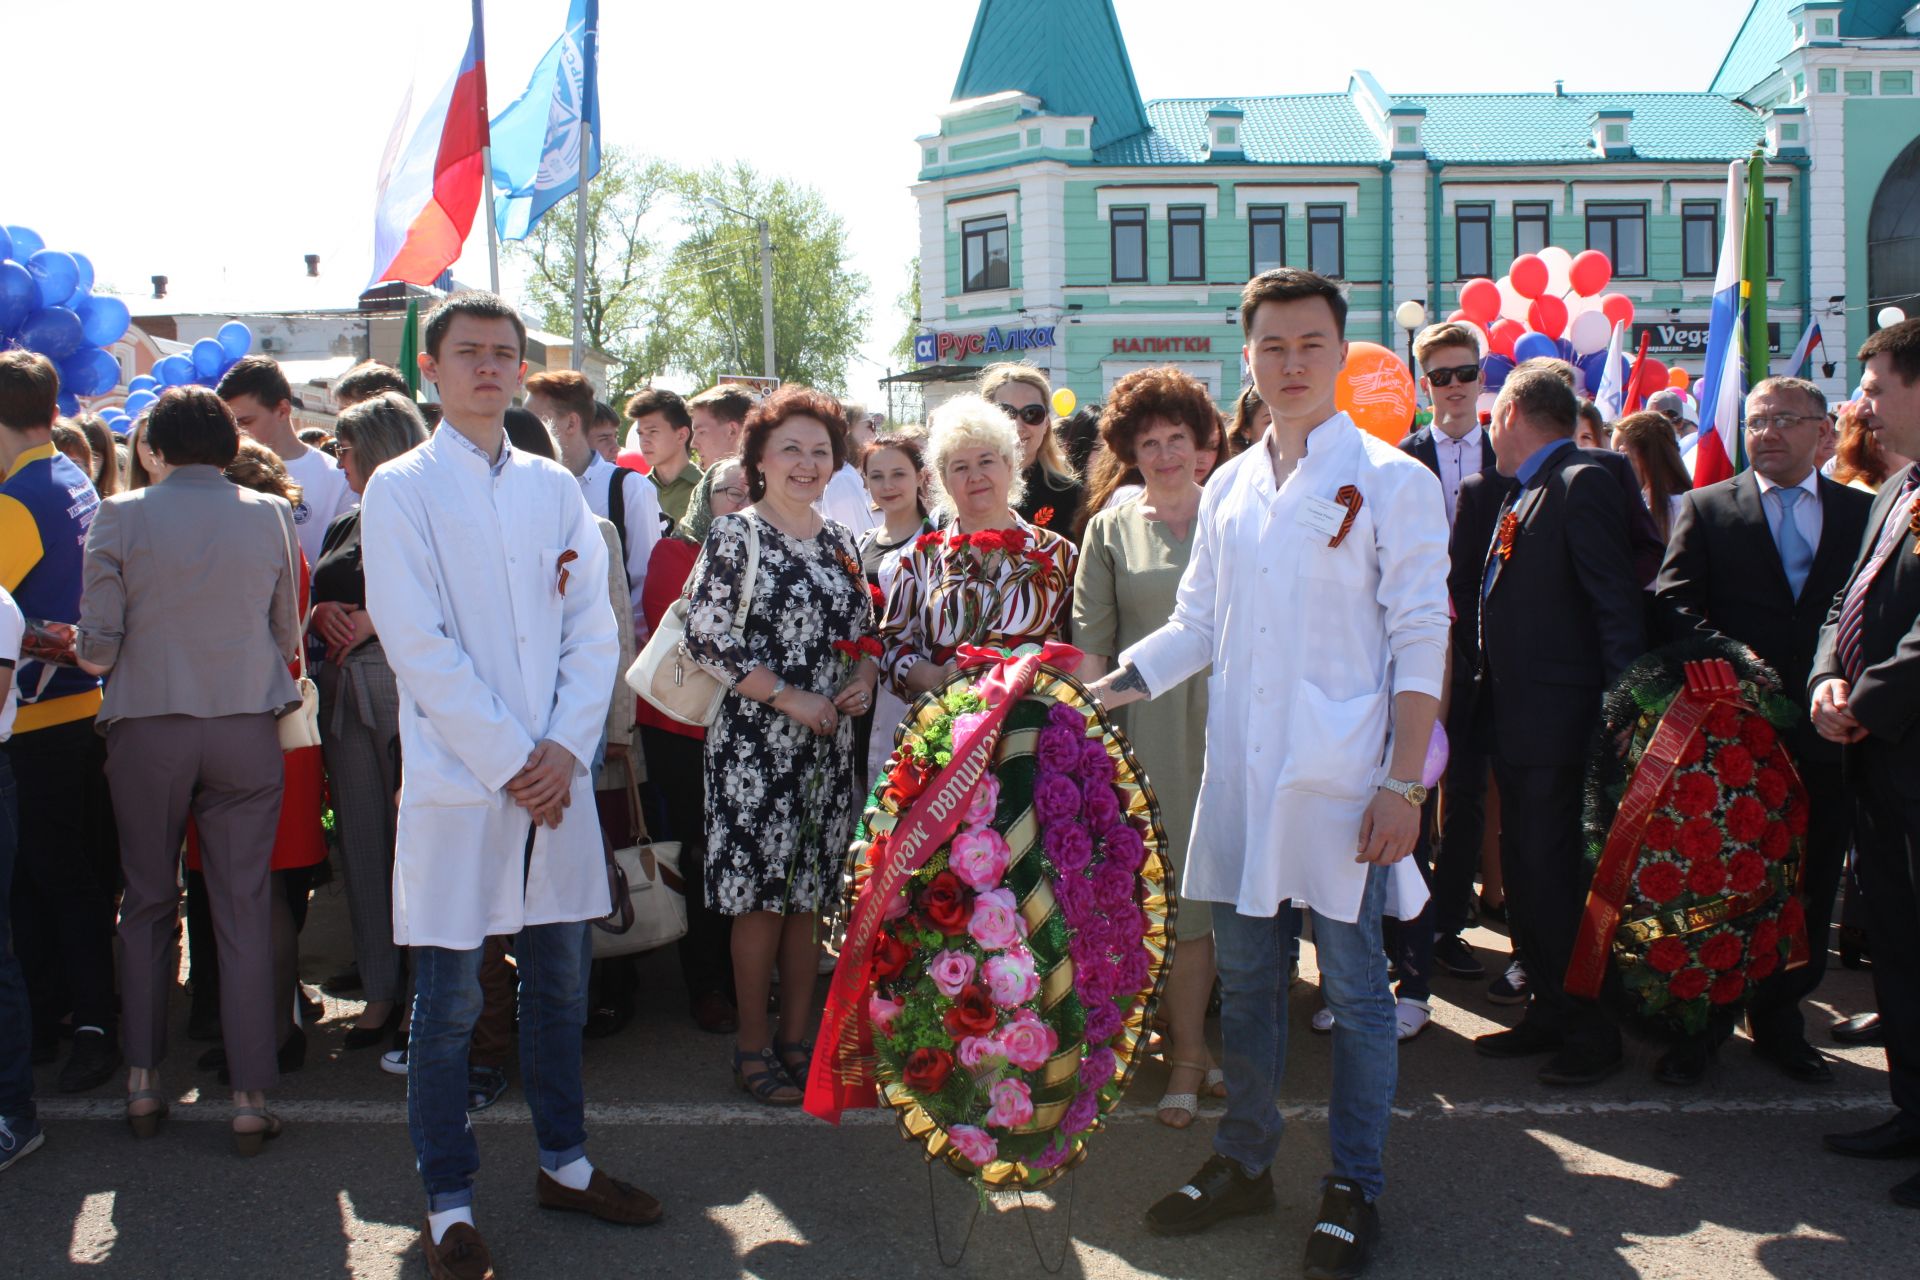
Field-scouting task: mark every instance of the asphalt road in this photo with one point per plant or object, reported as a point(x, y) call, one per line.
point(1490, 1174)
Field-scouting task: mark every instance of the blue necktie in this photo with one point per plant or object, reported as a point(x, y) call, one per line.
point(1796, 556)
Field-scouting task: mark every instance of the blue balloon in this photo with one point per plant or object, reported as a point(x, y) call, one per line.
point(19, 295)
point(85, 264)
point(235, 339)
point(68, 406)
point(56, 273)
point(6, 245)
point(207, 358)
point(104, 319)
point(26, 242)
point(145, 382)
point(1535, 346)
point(138, 401)
point(52, 331)
point(1493, 372)
point(174, 371)
point(90, 372)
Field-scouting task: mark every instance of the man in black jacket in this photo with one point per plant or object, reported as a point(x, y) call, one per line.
point(1759, 559)
point(1560, 618)
point(1866, 696)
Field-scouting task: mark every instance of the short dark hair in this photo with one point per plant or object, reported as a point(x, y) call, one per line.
point(648, 400)
point(529, 435)
point(479, 304)
point(603, 412)
point(1290, 284)
point(793, 401)
point(367, 380)
point(191, 426)
point(731, 403)
point(29, 391)
point(1542, 397)
point(1902, 343)
point(1808, 391)
point(567, 388)
point(256, 376)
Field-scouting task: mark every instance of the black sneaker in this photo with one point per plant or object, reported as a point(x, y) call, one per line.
point(1342, 1237)
point(1510, 987)
point(92, 1063)
point(1219, 1191)
point(1455, 958)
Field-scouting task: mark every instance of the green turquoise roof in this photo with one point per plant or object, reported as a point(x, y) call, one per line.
point(1322, 128)
point(1767, 34)
point(1067, 53)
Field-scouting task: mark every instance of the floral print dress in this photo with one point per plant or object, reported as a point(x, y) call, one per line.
point(780, 799)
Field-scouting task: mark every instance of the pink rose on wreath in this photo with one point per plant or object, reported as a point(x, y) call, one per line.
point(1062, 716)
point(1012, 1104)
point(1124, 848)
point(996, 923)
point(965, 726)
point(1058, 750)
point(1070, 847)
point(1095, 764)
point(979, 857)
point(883, 1011)
point(897, 906)
point(1055, 799)
point(1103, 1022)
point(1081, 1112)
point(983, 803)
point(974, 1144)
point(1027, 1042)
point(1103, 807)
point(976, 1052)
point(951, 971)
point(1010, 978)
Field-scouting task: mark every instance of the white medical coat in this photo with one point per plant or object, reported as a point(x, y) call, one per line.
point(462, 568)
point(1308, 644)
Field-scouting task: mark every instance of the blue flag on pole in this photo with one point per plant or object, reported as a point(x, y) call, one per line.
point(537, 140)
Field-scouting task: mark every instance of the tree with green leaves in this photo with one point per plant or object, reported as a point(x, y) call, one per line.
point(907, 305)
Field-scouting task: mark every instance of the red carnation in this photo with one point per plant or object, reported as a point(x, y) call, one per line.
point(1669, 955)
point(1793, 917)
point(1746, 820)
point(1688, 983)
point(1775, 843)
point(1766, 937)
point(1771, 785)
point(1734, 764)
point(1662, 831)
point(1661, 882)
point(1694, 752)
point(1747, 871)
point(1700, 839)
point(1707, 877)
point(927, 541)
point(1721, 951)
point(1723, 721)
point(1758, 736)
point(1763, 965)
point(989, 540)
point(973, 1013)
point(1695, 794)
point(1797, 816)
point(1727, 988)
point(890, 956)
point(947, 905)
point(1014, 540)
point(927, 1070)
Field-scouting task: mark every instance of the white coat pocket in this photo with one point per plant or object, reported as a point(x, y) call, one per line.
point(1334, 748)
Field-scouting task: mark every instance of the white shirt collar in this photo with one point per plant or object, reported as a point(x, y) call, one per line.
point(1811, 484)
point(1471, 439)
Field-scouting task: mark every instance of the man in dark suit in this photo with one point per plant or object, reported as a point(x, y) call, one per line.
point(1561, 617)
point(1866, 695)
point(1759, 559)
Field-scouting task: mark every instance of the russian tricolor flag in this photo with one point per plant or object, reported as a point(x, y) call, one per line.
point(431, 185)
point(1723, 389)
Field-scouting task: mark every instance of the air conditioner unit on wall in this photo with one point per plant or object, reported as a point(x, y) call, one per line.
point(267, 343)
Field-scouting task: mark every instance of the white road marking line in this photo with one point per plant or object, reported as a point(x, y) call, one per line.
point(697, 1114)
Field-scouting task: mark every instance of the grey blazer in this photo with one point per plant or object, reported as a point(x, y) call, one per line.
point(191, 598)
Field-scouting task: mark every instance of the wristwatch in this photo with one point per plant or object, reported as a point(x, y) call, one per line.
point(1412, 792)
point(779, 687)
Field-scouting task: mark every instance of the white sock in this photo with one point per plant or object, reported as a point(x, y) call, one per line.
point(574, 1175)
point(438, 1223)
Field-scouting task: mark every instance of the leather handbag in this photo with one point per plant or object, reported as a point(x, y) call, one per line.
point(665, 673)
point(299, 727)
point(649, 897)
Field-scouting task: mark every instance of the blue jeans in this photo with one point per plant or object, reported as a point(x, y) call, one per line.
point(16, 1022)
point(553, 961)
point(1252, 955)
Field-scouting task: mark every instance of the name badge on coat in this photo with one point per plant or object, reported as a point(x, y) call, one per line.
point(1322, 516)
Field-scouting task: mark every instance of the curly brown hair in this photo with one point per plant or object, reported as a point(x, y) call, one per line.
point(792, 401)
point(1144, 396)
point(259, 468)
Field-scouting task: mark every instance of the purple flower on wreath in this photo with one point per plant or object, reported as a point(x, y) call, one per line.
point(1113, 889)
point(1055, 799)
point(1053, 1157)
point(1094, 983)
point(1103, 807)
point(1136, 968)
point(1103, 1022)
point(1081, 1112)
point(1062, 716)
point(1058, 750)
point(1070, 847)
point(1074, 893)
point(1124, 848)
point(1095, 764)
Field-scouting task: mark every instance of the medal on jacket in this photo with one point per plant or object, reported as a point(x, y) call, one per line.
point(1509, 525)
point(1349, 497)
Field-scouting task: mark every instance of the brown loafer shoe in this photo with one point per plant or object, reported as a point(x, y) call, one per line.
point(607, 1199)
point(460, 1255)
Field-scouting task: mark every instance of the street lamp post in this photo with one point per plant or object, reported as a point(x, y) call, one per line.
point(766, 281)
point(1411, 315)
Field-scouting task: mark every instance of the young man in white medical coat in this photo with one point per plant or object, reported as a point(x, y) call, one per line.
point(1317, 593)
point(487, 579)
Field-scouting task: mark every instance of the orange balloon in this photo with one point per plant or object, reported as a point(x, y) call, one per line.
point(1376, 391)
point(1679, 379)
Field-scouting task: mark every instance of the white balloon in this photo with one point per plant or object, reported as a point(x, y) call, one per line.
point(1512, 306)
point(1479, 335)
point(1589, 333)
point(1485, 403)
point(1559, 270)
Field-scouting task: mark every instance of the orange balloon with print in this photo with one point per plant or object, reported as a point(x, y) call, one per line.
point(1376, 391)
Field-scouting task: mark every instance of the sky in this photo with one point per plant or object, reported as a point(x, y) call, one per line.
point(219, 142)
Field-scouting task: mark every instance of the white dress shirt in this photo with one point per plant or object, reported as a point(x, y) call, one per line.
point(845, 499)
point(1806, 512)
point(1308, 644)
point(1458, 460)
point(643, 521)
point(324, 494)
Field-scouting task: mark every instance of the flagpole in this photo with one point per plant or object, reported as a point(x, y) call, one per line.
point(589, 117)
point(486, 152)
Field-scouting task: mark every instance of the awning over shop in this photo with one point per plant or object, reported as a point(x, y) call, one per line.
point(936, 373)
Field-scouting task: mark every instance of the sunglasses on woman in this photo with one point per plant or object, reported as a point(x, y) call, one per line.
point(1468, 374)
point(1033, 415)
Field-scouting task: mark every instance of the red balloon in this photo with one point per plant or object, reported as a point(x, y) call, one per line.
point(1618, 308)
point(1529, 275)
point(1652, 376)
point(1591, 272)
point(1548, 315)
point(1503, 335)
point(1480, 299)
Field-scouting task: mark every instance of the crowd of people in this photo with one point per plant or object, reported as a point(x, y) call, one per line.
point(1276, 607)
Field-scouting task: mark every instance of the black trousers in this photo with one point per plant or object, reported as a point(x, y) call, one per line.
point(677, 778)
point(1887, 813)
point(66, 877)
point(1774, 1014)
point(1463, 827)
point(1540, 859)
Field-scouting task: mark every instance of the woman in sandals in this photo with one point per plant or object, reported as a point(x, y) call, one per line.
point(1131, 559)
point(779, 756)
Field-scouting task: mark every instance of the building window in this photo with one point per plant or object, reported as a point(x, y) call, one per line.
point(1266, 237)
point(1826, 80)
point(1223, 136)
point(1407, 134)
point(931, 155)
point(1129, 245)
point(1789, 133)
point(1699, 237)
point(1858, 83)
point(983, 254)
point(1619, 230)
point(1327, 240)
point(1769, 216)
point(1186, 242)
point(1800, 85)
point(1896, 83)
point(1033, 137)
point(1076, 137)
point(1823, 27)
point(1616, 133)
point(1472, 241)
point(1531, 231)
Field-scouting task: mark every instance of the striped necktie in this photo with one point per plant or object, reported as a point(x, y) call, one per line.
point(1848, 637)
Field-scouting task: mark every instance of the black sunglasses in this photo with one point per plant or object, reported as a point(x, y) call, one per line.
point(1468, 374)
point(1033, 415)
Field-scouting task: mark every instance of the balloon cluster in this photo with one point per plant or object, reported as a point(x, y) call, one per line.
point(47, 304)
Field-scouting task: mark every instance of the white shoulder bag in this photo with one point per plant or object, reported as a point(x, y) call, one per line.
point(299, 726)
point(666, 675)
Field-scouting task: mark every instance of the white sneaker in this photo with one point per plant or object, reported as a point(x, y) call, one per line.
point(394, 1062)
point(1412, 1016)
point(1323, 1020)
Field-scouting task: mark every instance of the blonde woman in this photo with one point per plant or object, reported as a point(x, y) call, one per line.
point(1052, 491)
